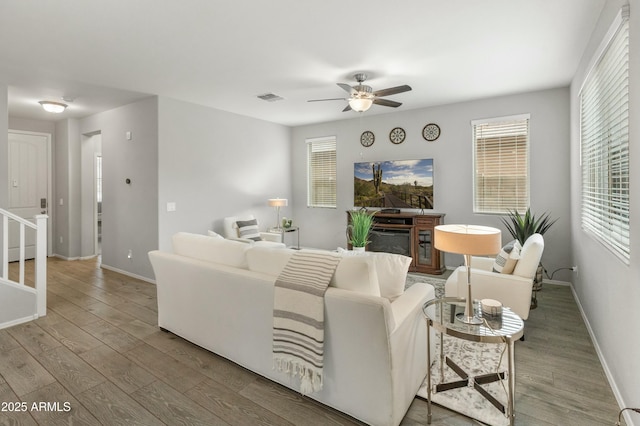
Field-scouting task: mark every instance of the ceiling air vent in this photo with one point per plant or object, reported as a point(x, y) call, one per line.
point(270, 97)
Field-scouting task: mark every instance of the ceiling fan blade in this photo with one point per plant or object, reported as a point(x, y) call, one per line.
point(392, 90)
point(347, 88)
point(331, 99)
point(387, 102)
point(347, 108)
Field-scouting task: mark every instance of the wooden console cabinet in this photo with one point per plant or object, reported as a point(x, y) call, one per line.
point(411, 235)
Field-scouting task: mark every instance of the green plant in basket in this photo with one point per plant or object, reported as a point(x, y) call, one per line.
point(360, 227)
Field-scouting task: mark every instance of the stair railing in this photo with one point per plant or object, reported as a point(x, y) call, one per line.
point(40, 226)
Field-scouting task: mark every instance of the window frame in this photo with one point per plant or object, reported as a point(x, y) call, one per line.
point(482, 205)
point(315, 200)
point(604, 143)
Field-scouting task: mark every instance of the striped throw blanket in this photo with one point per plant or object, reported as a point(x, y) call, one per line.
point(298, 316)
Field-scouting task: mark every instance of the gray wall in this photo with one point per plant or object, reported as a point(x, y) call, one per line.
point(130, 211)
point(29, 125)
point(608, 290)
point(452, 154)
point(214, 164)
point(4, 147)
point(66, 157)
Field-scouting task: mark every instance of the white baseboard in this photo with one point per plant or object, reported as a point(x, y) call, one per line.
point(556, 282)
point(59, 256)
point(129, 274)
point(18, 321)
point(603, 362)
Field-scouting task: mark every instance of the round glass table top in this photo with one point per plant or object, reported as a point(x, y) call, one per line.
point(494, 329)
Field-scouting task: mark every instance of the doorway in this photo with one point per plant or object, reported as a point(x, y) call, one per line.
point(98, 197)
point(91, 195)
point(30, 186)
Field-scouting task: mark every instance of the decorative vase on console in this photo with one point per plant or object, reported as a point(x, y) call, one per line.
point(359, 228)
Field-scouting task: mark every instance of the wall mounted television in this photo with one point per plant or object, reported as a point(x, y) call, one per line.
point(404, 184)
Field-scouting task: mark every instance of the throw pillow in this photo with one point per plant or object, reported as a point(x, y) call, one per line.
point(248, 229)
point(217, 250)
point(356, 273)
point(345, 253)
point(392, 273)
point(267, 260)
point(214, 234)
point(391, 270)
point(508, 257)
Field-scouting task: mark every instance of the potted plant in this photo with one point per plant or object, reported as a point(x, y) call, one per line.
point(359, 228)
point(522, 227)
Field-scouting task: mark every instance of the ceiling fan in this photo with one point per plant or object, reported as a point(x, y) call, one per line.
point(361, 96)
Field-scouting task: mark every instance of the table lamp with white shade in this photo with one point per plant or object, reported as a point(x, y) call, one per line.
point(277, 203)
point(468, 240)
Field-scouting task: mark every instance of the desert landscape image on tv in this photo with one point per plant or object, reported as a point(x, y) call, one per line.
point(394, 184)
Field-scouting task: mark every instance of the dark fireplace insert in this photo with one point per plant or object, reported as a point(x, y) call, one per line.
point(396, 241)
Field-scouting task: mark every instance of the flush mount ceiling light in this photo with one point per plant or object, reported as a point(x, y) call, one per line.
point(55, 107)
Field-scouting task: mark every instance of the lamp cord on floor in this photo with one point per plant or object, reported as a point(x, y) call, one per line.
point(637, 410)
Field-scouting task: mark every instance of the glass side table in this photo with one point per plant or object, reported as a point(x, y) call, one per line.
point(507, 328)
point(284, 231)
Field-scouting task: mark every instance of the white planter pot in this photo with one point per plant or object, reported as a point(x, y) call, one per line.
point(359, 249)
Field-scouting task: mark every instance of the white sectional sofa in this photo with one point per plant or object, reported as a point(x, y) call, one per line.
point(219, 293)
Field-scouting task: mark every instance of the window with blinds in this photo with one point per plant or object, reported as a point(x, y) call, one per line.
point(321, 161)
point(501, 164)
point(604, 140)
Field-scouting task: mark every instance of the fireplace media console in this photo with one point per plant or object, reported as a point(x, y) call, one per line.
point(408, 234)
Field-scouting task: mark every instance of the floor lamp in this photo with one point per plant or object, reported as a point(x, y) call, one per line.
point(468, 240)
point(277, 203)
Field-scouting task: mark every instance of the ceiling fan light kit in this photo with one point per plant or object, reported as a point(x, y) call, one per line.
point(362, 97)
point(360, 104)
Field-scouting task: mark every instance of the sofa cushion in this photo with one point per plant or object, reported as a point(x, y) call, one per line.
point(248, 229)
point(508, 257)
point(217, 250)
point(268, 260)
point(356, 273)
point(392, 273)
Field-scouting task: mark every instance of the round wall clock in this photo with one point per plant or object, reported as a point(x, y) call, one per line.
point(397, 135)
point(431, 132)
point(367, 138)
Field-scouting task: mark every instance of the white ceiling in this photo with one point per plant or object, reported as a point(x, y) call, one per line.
point(222, 54)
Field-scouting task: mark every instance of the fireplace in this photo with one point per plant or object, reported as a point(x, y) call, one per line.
point(408, 234)
point(396, 241)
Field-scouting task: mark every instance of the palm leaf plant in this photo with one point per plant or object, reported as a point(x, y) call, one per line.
point(359, 227)
point(522, 227)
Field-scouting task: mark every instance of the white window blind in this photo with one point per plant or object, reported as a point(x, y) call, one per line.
point(321, 160)
point(501, 164)
point(604, 139)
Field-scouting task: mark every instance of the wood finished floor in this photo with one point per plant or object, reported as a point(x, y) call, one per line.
point(100, 350)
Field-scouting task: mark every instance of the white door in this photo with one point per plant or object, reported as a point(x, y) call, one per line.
point(29, 186)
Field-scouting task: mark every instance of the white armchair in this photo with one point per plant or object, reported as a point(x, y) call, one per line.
point(230, 231)
point(512, 290)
